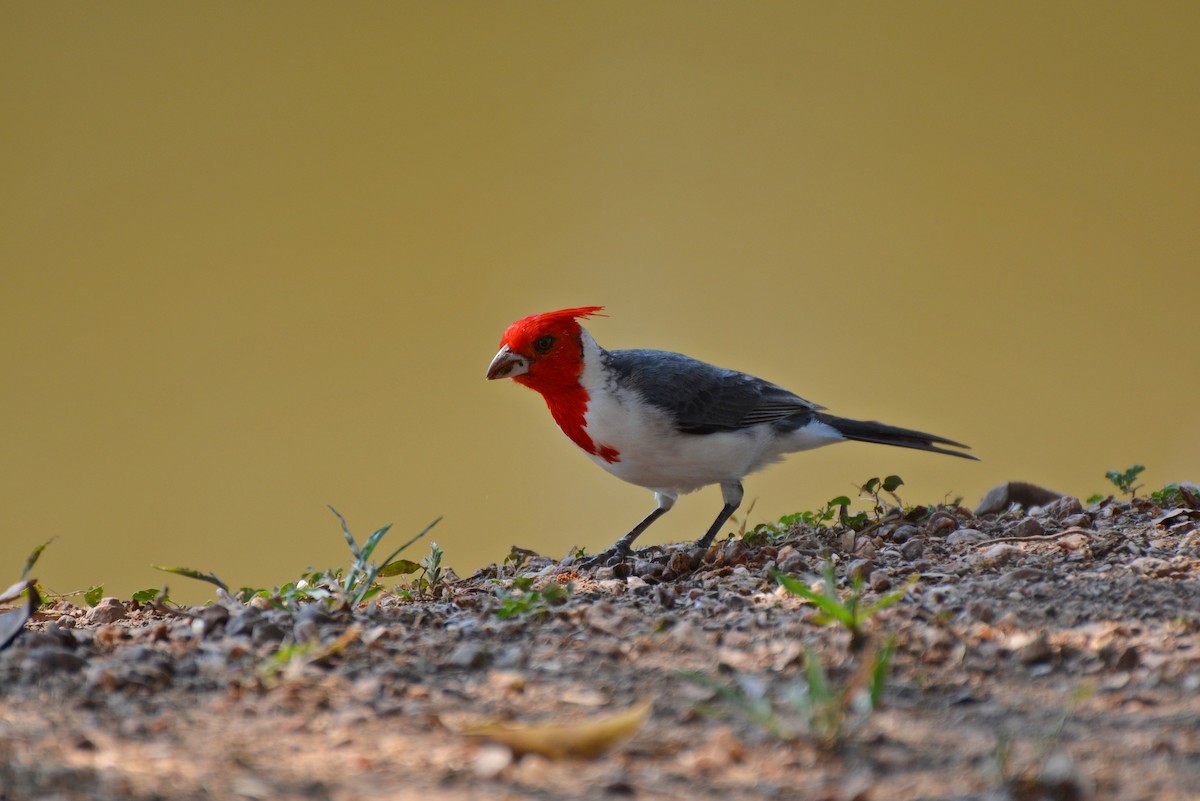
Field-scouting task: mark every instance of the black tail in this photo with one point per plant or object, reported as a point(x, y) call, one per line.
point(871, 431)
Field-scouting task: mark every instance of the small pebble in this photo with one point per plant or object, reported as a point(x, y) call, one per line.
point(981, 611)
point(1028, 527)
point(860, 569)
point(964, 535)
point(490, 760)
point(789, 560)
point(470, 656)
point(941, 524)
point(681, 562)
point(1065, 507)
point(996, 555)
point(109, 610)
point(1128, 659)
point(880, 581)
point(48, 660)
point(1148, 565)
point(1034, 651)
point(1024, 574)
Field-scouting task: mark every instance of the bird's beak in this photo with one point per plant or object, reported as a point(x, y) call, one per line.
point(507, 365)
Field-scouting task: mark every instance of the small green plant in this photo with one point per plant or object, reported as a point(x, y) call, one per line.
point(747, 700)
point(347, 588)
point(34, 555)
point(432, 580)
point(815, 708)
point(522, 600)
point(781, 529)
point(188, 572)
point(150, 595)
point(313, 585)
point(358, 583)
point(851, 612)
point(31, 587)
point(874, 486)
point(1123, 480)
point(833, 507)
point(290, 658)
point(1175, 494)
point(517, 557)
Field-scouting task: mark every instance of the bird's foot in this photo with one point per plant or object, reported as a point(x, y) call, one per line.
point(609, 558)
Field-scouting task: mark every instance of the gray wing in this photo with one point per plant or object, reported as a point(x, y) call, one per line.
point(703, 398)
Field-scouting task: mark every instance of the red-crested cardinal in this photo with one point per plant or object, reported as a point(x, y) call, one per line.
point(668, 422)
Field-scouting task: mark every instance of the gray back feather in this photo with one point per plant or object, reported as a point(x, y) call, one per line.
point(703, 398)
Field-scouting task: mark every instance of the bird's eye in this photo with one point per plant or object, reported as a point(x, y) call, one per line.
point(544, 343)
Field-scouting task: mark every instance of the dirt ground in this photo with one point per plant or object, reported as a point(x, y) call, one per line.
point(1050, 652)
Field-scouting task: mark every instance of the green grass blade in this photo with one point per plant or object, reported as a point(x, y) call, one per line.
point(346, 530)
point(188, 572)
point(400, 550)
point(879, 671)
point(814, 674)
point(831, 606)
point(31, 560)
point(368, 547)
point(891, 598)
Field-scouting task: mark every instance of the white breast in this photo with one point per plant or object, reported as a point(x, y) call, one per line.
point(656, 456)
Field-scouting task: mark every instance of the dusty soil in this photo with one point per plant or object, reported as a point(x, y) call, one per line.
point(1045, 653)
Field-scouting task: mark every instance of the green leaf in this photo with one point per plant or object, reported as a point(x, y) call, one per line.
point(31, 560)
point(146, 596)
point(93, 595)
point(400, 567)
point(817, 680)
point(871, 486)
point(346, 530)
point(422, 533)
point(188, 572)
point(831, 606)
point(879, 671)
point(892, 483)
point(840, 500)
point(373, 540)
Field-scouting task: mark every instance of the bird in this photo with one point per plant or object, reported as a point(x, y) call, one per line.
point(671, 423)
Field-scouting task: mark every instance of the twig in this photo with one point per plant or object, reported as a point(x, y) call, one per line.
point(1038, 537)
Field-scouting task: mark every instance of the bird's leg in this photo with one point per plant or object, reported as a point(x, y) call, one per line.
point(731, 492)
point(621, 548)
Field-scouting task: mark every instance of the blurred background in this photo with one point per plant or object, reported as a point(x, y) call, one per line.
point(255, 258)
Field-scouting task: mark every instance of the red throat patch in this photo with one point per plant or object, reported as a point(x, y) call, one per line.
point(551, 341)
point(569, 410)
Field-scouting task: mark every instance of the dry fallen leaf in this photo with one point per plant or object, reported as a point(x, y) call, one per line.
point(585, 739)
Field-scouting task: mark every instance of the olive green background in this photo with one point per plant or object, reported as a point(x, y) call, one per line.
point(254, 258)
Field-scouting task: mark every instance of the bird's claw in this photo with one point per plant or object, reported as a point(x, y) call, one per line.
point(610, 558)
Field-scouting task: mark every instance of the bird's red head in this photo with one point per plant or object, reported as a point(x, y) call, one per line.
point(543, 351)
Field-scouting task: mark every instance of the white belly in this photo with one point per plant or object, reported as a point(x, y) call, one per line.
point(654, 455)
